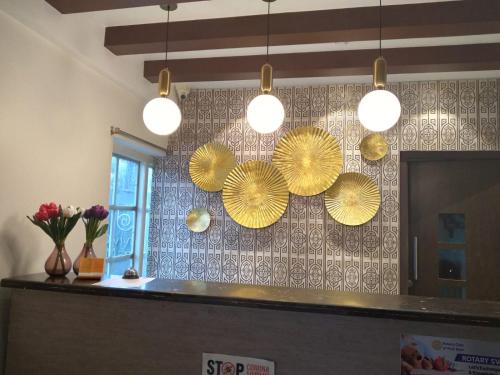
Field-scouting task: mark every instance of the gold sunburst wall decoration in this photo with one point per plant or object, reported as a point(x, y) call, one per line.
point(255, 194)
point(354, 199)
point(210, 165)
point(310, 160)
point(373, 147)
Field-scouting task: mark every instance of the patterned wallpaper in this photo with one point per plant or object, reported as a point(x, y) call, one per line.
point(306, 248)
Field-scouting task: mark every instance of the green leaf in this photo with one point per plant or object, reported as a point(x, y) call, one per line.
point(102, 231)
point(71, 222)
point(42, 225)
point(45, 228)
point(52, 225)
point(60, 225)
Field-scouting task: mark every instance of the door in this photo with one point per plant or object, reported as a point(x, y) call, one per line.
point(454, 228)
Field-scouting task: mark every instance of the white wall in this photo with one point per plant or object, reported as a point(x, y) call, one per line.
point(55, 115)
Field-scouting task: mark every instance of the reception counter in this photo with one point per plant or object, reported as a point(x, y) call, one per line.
point(60, 326)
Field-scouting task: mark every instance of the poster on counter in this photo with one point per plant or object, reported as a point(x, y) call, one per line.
point(428, 355)
point(222, 364)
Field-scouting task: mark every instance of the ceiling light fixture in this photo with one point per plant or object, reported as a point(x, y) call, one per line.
point(162, 115)
point(265, 112)
point(380, 109)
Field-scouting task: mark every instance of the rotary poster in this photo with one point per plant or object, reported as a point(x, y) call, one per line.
point(428, 355)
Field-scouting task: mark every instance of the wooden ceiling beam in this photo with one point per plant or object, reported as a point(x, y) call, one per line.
point(421, 20)
point(337, 63)
point(80, 6)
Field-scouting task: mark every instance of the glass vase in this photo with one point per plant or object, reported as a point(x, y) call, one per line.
point(58, 263)
point(87, 252)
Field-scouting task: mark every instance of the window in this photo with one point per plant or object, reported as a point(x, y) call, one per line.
point(146, 220)
point(452, 255)
point(129, 207)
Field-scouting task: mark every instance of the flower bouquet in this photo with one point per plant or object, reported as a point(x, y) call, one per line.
point(92, 219)
point(57, 223)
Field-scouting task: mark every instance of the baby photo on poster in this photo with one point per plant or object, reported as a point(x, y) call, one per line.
point(427, 355)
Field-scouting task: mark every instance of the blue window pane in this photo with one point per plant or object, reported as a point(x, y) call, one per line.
point(451, 228)
point(110, 233)
point(122, 224)
point(452, 264)
point(112, 180)
point(119, 267)
point(126, 187)
point(148, 188)
point(146, 243)
point(458, 292)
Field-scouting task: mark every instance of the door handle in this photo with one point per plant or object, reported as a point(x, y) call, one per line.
point(415, 258)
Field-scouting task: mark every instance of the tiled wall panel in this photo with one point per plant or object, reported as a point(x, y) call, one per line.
point(306, 248)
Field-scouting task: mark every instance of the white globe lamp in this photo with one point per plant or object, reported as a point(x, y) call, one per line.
point(379, 110)
point(265, 113)
point(162, 115)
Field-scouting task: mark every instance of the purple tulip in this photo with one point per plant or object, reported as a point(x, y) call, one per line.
point(96, 212)
point(86, 214)
point(101, 213)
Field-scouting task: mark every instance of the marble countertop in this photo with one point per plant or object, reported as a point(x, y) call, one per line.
point(469, 312)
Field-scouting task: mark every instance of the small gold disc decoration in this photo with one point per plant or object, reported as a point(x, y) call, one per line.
point(309, 158)
point(373, 147)
point(354, 199)
point(198, 220)
point(210, 165)
point(255, 194)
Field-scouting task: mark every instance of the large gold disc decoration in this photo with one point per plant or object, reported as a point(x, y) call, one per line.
point(198, 220)
point(354, 199)
point(373, 147)
point(255, 194)
point(310, 160)
point(210, 165)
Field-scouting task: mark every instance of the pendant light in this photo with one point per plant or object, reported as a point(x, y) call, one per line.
point(380, 109)
point(162, 115)
point(265, 112)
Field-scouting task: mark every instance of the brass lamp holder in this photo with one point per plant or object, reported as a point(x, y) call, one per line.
point(266, 71)
point(380, 64)
point(165, 77)
point(266, 78)
point(379, 73)
point(164, 82)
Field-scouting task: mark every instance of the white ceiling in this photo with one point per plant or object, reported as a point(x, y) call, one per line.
point(83, 35)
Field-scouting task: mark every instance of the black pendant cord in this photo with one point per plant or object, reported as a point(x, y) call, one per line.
point(380, 29)
point(268, 29)
point(166, 36)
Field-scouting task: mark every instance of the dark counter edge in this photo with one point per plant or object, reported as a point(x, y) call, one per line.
point(368, 312)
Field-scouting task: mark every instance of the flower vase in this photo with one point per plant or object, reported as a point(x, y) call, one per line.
point(58, 263)
point(87, 252)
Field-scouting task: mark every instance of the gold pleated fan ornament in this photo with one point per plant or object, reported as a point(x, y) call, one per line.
point(198, 220)
point(373, 147)
point(255, 194)
point(310, 160)
point(354, 199)
point(210, 165)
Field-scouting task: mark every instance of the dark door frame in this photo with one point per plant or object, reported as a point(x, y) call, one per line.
point(405, 158)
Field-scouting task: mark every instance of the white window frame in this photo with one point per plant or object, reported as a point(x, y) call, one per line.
point(139, 250)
